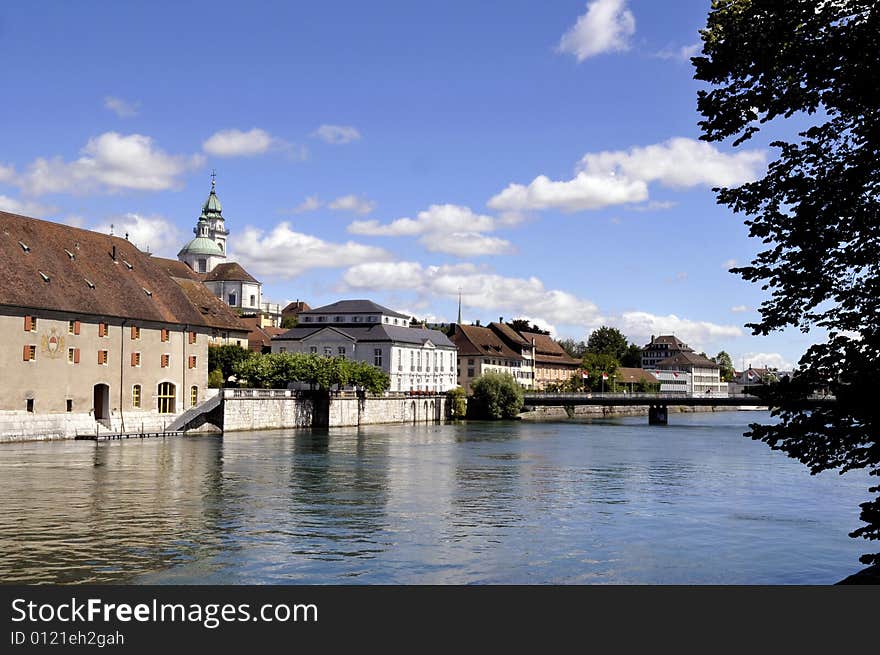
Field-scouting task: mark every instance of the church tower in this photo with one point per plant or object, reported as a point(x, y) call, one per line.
point(208, 248)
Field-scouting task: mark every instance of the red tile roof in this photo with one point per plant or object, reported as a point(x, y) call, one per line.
point(229, 272)
point(472, 340)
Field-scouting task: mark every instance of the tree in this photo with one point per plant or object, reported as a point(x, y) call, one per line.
point(726, 363)
point(522, 325)
point(289, 322)
point(457, 399)
point(215, 379)
point(816, 210)
point(633, 356)
point(608, 341)
point(497, 396)
point(225, 357)
point(574, 348)
point(596, 365)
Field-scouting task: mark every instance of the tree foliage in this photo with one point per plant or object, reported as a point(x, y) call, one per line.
point(816, 210)
point(726, 363)
point(496, 396)
point(608, 341)
point(574, 348)
point(457, 399)
point(277, 370)
point(524, 325)
point(596, 365)
point(633, 356)
point(225, 358)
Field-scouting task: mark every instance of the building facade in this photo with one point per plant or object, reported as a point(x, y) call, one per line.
point(661, 348)
point(415, 359)
point(705, 375)
point(96, 329)
point(552, 365)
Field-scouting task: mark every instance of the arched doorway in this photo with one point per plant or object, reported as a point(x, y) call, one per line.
point(427, 416)
point(167, 398)
point(101, 402)
point(413, 406)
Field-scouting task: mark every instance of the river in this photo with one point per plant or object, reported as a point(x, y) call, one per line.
point(611, 501)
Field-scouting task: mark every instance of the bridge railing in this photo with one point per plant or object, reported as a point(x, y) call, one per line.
point(598, 394)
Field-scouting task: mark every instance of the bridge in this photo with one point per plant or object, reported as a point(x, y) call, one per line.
point(658, 403)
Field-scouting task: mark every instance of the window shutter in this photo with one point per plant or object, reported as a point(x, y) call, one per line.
point(101, 329)
point(134, 332)
point(134, 359)
point(26, 353)
point(76, 355)
point(76, 327)
point(100, 357)
point(28, 323)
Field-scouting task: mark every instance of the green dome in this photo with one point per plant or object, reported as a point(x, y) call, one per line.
point(201, 246)
point(212, 204)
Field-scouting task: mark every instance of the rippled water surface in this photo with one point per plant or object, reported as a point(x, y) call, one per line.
point(604, 502)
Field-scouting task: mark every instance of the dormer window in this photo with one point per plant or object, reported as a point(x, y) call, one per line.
point(203, 266)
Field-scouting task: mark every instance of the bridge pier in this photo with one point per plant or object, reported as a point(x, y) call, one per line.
point(658, 415)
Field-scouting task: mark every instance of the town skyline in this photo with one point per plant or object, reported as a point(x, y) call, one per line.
point(550, 170)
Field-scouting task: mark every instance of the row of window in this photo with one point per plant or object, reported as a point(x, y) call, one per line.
point(29, 354)
point(165, 398)
point(74, 327)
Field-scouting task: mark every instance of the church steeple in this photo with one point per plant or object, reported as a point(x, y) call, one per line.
point(208, 248)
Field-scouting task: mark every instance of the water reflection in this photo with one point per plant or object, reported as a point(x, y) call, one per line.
point(609, 501)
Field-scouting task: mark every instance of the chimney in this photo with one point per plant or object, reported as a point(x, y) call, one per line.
point(652, 338)
point(113, 254)
point(478, 322)
point(501, 319)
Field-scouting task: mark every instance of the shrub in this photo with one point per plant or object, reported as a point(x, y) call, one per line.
point(457, 401)
point(215, 378)
point(497, 396)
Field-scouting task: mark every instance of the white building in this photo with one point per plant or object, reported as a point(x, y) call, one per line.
point(416, 359)
point(704, 374)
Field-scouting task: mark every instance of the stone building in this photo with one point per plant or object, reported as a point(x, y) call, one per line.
point(661, 348)
point(552, 364)
point(481, 350)
point(94, 330)
point(416, 359)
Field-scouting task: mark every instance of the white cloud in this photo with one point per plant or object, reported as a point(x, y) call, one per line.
point(653, 205)
point(639, 326)
point(235, 143)
point(606, 26)
point(120, 107)
point(310, 204)
point(763, 360)
point(452, 229)
point(739, 309)
point(7, 174)
point(578, 194)
point(678, 163)
point(728, 264)
point(622, 176)
point(479, 289)
point(110, 162)
point(352, 203)
point(154, 233)
point(337, 134)
point(25, 207)
point(285, 253)
point(465, 244)
point(684, 53)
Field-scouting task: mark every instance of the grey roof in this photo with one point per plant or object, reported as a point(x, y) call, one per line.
point(355, 307)
point(374, 332)
point(686, 359)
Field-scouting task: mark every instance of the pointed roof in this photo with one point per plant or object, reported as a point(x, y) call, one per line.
point(473, 340)
point(229, 272)
point(355, 307)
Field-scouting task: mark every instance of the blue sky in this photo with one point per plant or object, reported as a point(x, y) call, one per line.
point(543, 157)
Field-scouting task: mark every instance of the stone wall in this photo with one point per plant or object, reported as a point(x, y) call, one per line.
point(264, 409)
point(29, 426)
point(599, 411)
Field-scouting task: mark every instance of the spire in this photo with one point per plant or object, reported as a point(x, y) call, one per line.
point(213, 180)
point(459, 305)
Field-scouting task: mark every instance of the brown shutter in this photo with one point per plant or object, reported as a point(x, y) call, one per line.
point(134, 359)
point(76, 355)
point(76, 327)
point(28, 323)
point(100, 329)
point(26, 353)
point(134, 332)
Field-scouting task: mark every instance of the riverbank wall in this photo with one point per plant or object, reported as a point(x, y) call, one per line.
point(268, 409)
point(29, 426)
point(576, 412)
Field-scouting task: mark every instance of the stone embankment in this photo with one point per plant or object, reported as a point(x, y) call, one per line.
point(599, 411)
